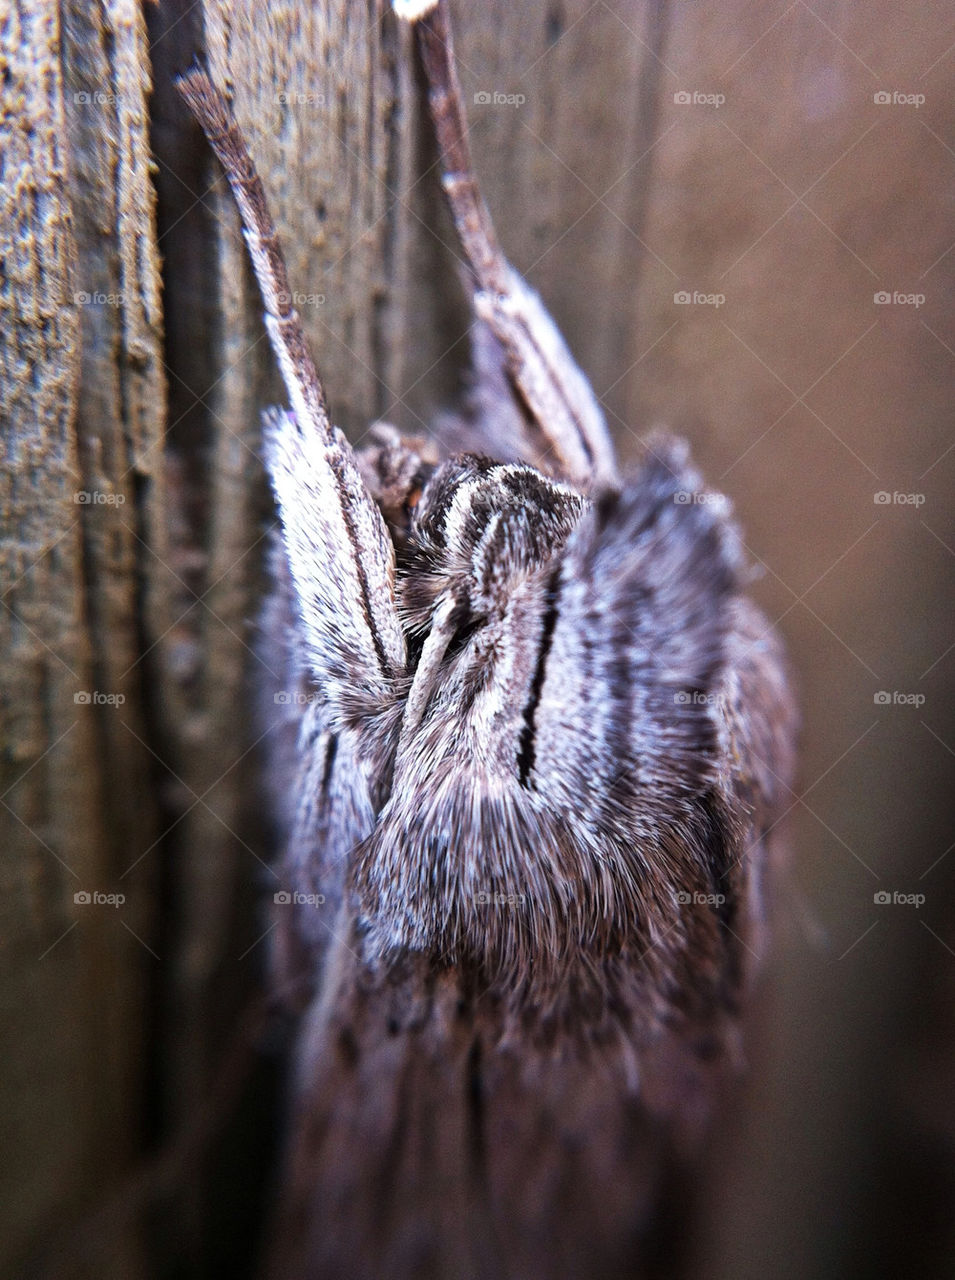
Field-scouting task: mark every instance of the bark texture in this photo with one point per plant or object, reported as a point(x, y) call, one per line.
point(83, 393)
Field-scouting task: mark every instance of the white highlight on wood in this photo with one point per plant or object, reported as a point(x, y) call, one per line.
point(412, 10)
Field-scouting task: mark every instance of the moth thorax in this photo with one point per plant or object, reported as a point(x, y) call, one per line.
point(488, 525)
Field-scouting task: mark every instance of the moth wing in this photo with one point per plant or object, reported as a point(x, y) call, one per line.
point(319, 791)
point(664, 714)
point(623, 733)
point(333, 814)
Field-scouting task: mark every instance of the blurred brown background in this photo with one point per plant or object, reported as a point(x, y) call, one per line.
point(788, 168)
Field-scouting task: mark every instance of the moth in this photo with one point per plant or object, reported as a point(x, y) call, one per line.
point(543, 742)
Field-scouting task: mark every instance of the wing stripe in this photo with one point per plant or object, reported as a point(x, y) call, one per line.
point(525, 752)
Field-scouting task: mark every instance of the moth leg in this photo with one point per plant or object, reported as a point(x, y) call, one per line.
point(341, 558)
point(565, 416)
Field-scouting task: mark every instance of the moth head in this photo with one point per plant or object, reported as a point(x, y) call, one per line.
point(395, 470)
point(479, 530)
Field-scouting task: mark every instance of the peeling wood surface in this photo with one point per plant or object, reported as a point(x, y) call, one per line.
point(797, 200)
point(83, 421)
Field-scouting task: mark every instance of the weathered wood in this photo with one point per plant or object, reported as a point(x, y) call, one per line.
point(83, 419)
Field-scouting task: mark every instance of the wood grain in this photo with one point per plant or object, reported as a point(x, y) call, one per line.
point(83, 414)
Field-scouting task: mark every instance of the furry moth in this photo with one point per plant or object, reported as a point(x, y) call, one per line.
point(543, 742)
